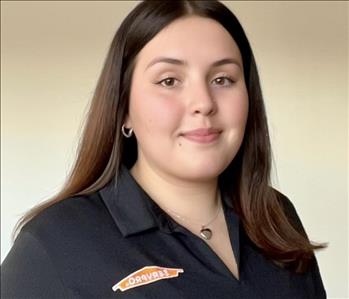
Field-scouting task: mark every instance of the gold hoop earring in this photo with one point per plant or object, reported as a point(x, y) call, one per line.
point(126, 134)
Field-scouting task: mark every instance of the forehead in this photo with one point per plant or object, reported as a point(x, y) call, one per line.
point(195, 39)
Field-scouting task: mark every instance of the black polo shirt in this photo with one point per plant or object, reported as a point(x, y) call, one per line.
point(119, 237)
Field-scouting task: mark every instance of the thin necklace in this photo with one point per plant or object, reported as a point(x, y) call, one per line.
point(205, 232)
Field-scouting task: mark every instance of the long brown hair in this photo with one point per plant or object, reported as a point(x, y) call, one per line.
point(102, 150)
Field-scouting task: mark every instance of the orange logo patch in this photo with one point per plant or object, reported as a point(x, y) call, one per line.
point(146, 275)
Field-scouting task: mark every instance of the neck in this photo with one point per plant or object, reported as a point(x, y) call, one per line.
point(196, 201)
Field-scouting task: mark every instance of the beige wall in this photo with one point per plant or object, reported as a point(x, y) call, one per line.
point(51, 56)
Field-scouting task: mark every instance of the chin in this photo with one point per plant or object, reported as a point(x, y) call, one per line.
point(202, 171)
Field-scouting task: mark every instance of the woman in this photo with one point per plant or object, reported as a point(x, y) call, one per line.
point(170, 193)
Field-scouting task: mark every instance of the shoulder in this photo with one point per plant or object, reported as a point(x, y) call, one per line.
point(290, 211)
point(40, 261)
point(73, 218)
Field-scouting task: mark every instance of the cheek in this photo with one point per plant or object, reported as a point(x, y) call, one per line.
point(155, 113)
point(235, 110)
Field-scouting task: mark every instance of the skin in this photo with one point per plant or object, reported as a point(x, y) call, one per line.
point(177, 173)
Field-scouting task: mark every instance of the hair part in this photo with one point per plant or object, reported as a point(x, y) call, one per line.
point(102, 149)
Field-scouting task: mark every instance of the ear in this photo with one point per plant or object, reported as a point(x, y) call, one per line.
point(127, 122)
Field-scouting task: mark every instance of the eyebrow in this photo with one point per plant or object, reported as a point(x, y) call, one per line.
point(185, 63)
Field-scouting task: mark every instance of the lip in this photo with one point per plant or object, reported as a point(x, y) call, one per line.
point(202, 135)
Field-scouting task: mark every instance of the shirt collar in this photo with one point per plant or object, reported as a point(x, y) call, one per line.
point(134, 211)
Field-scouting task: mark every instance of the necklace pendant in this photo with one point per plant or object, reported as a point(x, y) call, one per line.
point(206, 233)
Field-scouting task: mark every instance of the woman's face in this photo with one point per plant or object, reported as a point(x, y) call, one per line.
point(169, 99)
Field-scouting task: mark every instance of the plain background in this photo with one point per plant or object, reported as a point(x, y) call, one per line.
point(52, 54)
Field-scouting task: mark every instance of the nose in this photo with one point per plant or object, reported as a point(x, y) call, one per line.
point(201, 100)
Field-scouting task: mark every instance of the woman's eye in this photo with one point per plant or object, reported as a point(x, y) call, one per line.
point(220, 81)
point(167, 82)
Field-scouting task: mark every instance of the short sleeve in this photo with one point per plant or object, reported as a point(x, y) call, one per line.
point(28, 272)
